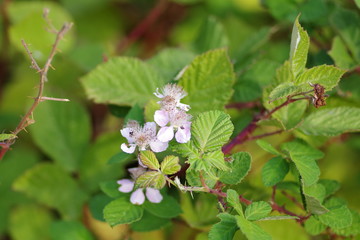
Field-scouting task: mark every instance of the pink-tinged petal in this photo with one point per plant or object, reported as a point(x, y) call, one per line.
point(153, 195)
point(151, 126)
point(183, 135)
point(184, 107)
point(125, 132)
point(126, 185)
point(136, 172)
point(141, 164)
point(159, 146)
point(137, 197)
point(161, 117)
point(165, 134)
point(128, 149)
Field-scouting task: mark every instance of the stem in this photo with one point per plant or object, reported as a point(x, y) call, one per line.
point(293, 199)
point(265, 135)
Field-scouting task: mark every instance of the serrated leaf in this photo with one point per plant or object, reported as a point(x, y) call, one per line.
point(267, 147)
point(239, 168)
point(149, 159)
point(63, 230)
point(193, 178)
point(121, 211)
point(284, 74)
point(274, 171)
point(276, 218)
point(170, 61)
point(211, 35)
point(233, 199)
point(187, 150)
point(167, 208)
point(340, 54)
point(283, 90)
point(337, 218)
point(332, 121)
point(52, 186)
point(211, 130)
point(251, 230)
point(152, 179)
point(170, 165)
point(225, 229)
point(121, 157)
point(257, 210)
point(304, 157)
point(313, 226)
point(210, 74)
point(7, 136)
point(216, 160)
point(122, 81)
point(325, 75)
point(354, 229)
point(314, 196)
point(299, 48)
point(111, 189)
point(331, 186)
point(149, 222)
point(69, 124)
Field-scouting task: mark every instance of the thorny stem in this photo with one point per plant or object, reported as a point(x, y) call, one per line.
point(244, 135)
point(27, 118)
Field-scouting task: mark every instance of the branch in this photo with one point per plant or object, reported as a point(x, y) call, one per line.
point(27, 119)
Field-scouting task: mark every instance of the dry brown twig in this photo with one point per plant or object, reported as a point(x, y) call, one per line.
point(27, 119)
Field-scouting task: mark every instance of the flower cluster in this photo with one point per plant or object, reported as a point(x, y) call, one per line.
point(137, 197)
point(171, 117)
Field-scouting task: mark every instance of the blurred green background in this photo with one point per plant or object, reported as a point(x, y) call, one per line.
point(73, 141)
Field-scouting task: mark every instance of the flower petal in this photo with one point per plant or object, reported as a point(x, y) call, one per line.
point(150, 126)
point(153, 195)
point(137, 197)
point(128, 149)
point(161, 117)
point(157, 94)
point(183, 134)
point(165, 134)
point(159, 146)
point(182, 106)
point(125, 132)
point(126, 185)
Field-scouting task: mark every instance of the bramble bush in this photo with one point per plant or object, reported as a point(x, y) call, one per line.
point(239, 133)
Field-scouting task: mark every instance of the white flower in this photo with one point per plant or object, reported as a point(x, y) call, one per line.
point(142, 137)
point(171, 94)
point(177, 120)
point(138, 197)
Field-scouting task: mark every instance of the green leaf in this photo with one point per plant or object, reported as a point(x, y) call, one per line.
point(304, 157)
point(357, 2)
point(251, 230)
point(211, 35)
point(167, 208)
point(313, 226)
point(69, 124)
point(193, 178)
point(149, 223)
point(331, 186)
point(27, 23)
point(291, 115)
point(276, 218)
point(354, 229)
point(332, 121)
point(346, 24)
point(257, 210)
point(314, 196)
point(284, 74)
point(283, 90)
point(267, 147)
point(225, 229)
point(170, 61)
point(121, 211)
point(7, 136)
point(30, 222)
point(111, 189)
point(337, 218)
point(240, 166)
point(340, 54)
point(299, 48)
point(121, 157)
point(122, 81)
point(211, 130)
point(135, 113)
point(216, 159)
point(274, 171)
point(170, 165)
point(210, 74)
point(97, 204)
point(52, 186)
point(325, 75)
point(149, 159)
point(62, 230)
point(233, 199)
point(153, 179)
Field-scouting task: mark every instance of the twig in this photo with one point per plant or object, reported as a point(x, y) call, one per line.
point(293, 199)
point(265, 135)
point(27, 118)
